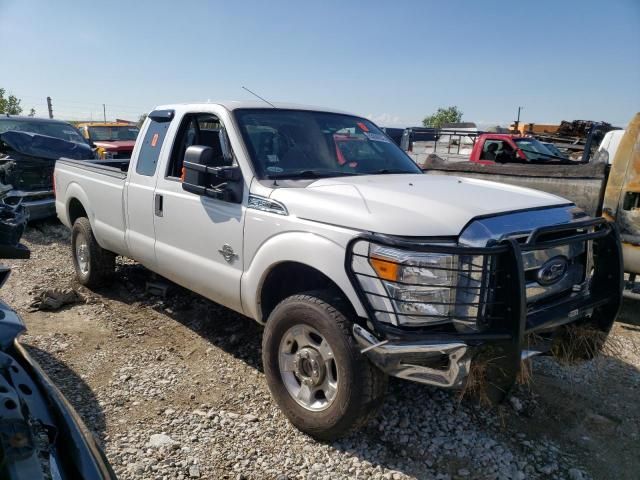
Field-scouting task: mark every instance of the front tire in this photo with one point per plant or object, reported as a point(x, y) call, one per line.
point(94, 265)
point(314, 369)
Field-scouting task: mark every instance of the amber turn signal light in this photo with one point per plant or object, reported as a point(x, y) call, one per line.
point(385, 269)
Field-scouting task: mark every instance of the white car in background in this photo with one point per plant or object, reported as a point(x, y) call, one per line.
point(609, 146)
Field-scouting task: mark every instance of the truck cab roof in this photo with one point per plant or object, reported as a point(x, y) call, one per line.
point(232, 105)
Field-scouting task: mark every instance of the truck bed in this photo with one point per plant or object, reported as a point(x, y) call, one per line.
point(583, 184)
point(97, 187)
point(113, 168)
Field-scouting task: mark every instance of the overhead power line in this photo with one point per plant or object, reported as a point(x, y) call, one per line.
point(87, 105)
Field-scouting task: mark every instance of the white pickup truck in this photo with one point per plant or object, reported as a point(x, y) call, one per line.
point(315, 224)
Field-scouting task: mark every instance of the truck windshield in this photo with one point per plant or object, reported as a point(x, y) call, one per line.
point(306, 144)
point(535, 150)
point(107, 134)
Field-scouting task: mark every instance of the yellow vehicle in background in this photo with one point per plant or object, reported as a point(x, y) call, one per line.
point(622, 195)
point(523, 128)
point(110, 139)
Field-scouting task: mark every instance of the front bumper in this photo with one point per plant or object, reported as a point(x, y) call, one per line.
point(39, 204)
point(398, 358)
point(443, 357)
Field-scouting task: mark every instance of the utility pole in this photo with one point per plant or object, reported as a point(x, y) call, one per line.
point(104, 112)
point(50, 107)
point(518, 120)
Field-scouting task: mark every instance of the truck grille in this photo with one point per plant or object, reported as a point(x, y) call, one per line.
point(560, 270)
point(554, 271)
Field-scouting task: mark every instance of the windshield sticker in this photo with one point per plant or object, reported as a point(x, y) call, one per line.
point(273, 158)
point(154, 140)
point(275, 169)
point(69, 132)
point(363, 127)
point(377, 137)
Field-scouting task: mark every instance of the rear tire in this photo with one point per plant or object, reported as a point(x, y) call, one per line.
point(347, 390)
point(94, 265)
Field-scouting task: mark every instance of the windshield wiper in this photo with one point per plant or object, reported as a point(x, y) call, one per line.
point(308, 174)
point(384, 171)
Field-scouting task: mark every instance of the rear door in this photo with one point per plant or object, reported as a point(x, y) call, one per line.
point(199, 239)
point(140, 234)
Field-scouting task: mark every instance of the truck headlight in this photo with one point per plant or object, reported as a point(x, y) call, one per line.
point(407, 288)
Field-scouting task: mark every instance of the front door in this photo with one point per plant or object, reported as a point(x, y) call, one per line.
point(199, 240)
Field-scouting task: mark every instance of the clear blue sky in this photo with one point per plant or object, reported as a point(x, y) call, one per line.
point(394, 61)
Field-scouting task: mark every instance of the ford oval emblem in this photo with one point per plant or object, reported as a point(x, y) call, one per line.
point(552, 271)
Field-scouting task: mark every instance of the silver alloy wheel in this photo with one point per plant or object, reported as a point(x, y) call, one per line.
point(82, 253)
point(308, 367)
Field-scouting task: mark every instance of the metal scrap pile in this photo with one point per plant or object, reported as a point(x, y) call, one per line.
point(579, 128)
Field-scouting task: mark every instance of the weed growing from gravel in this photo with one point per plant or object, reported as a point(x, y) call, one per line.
point(580, 342)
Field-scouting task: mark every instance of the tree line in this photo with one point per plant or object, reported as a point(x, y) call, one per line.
point(10, 104)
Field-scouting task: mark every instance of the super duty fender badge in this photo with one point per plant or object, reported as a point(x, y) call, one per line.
point(227, 253)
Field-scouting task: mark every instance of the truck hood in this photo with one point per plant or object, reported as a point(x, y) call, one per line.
point(407, 205)
point(117, 145)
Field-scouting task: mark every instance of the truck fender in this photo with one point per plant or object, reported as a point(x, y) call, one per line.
point(309, 249)
point(75, 191)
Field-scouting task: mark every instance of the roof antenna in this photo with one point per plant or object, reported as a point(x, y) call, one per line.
point(256, 95)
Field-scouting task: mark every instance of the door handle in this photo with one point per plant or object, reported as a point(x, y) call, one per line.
point(158, 204)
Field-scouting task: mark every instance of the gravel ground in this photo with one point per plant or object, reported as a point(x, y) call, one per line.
point(173, 389)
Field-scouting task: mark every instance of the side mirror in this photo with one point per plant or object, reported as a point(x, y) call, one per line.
point(202, 177)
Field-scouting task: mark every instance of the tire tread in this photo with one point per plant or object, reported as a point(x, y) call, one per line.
point(101, 262)
point(374, 382)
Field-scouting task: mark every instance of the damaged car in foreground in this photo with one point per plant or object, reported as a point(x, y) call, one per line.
point(41, 437)
point(29, 148)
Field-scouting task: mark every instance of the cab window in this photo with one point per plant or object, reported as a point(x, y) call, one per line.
point(491, 149)
point(199, 129)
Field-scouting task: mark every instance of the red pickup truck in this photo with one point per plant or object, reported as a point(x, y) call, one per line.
point(505, 148)
point(463, 145)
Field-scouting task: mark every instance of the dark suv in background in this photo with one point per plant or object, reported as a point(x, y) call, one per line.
point(29, 148)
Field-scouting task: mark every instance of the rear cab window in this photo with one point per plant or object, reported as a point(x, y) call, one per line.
point(152, 142)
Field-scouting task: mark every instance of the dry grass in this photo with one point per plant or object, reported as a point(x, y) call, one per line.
point(582, 342)
point(479, 385)
point(476, 385)
point(525, 374)
point(488, 380)
point(576, 344)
